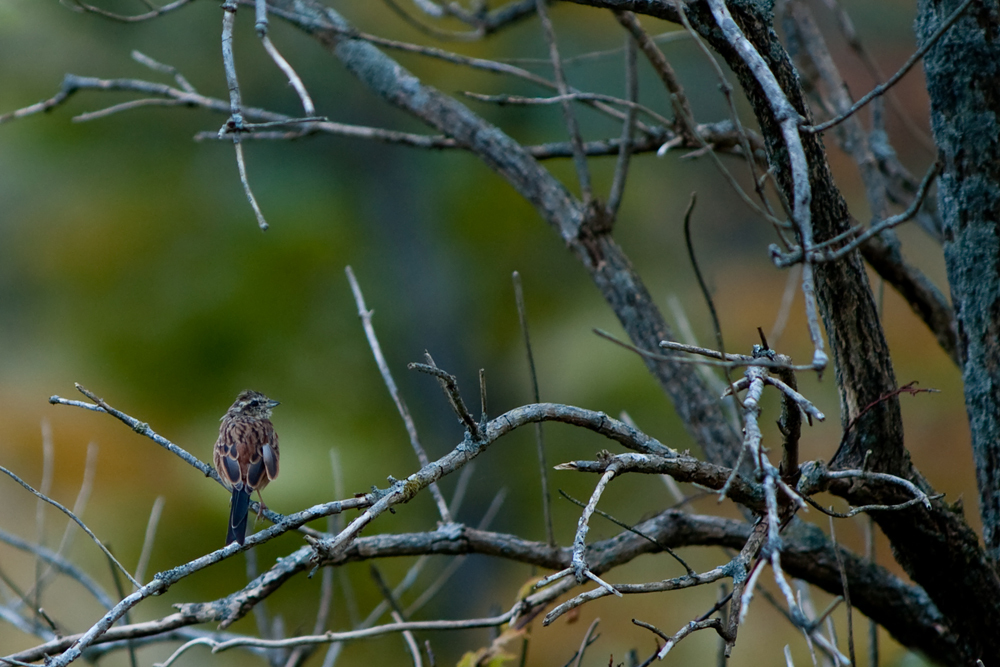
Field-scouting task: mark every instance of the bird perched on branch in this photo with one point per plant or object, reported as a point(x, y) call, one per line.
point(246, 456)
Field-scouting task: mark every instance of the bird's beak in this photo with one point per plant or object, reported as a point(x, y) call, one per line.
point(271, 403)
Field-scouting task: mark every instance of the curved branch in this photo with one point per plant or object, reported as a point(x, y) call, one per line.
point(903, 609)
point(580, 227)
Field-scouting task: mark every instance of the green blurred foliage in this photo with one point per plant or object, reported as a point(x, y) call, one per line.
point(130, 262)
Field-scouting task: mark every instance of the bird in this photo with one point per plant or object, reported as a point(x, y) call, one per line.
point(246, 456)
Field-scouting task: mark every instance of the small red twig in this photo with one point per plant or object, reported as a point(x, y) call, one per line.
point(908, 388)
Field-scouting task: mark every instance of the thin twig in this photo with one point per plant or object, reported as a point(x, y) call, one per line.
point(803, 403)
point(862, 509)
point(147, 542)
point(260, 26)
point(157, 66)
point(683, 119)
point(847, 594)
point(414, 572)
point(543, 469)
point(579, 159)
point(241, 165)
point(78, 5)
point(387, 593)
point(234, 125)
point(390, 628)
point(124, 106)
point(632, 529)
point(126, 617)
point(706, 294)
point(579, 563)
point(850, 34)
point(482, 64)
point(48, 466)
point(404, 412)
point(872, 625)
point(183, 648)
point(730, 360)
point(630, 105)
point(821, 252)
point(662, 38)
point(919, 495)
point(881, 88)
point(435, 587)
point(79, 505)
point(710, 150)
point(450, 387)
point(586, 641)
point(308, 108)
point(727, 91)
point(628, 125)
point(433, 31)
point(693, 626)
point(59, 563)
point(787, 297)
point(789, 120)
point(411, 642)
point(75, 519)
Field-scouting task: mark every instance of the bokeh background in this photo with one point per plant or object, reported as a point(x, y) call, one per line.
point(131, 263)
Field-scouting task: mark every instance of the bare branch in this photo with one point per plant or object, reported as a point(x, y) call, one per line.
point(586, 641)
point(628, 126)
point(450, 387)
point(147, 543)
point(389, 628)
point(543, 469)
point(683, 119)
point(157, 66)
point(568, 97)
point(911, 61)
point(234, 125)
point(404, 412)
point(580, 569)
point(157, 12)
point(693, 626)
point(579, 159)
point(75, 519)
point(789, 120)
point(59, 563)
point(821, 251)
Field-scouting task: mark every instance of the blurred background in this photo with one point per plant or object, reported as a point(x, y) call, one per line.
point(130, 262)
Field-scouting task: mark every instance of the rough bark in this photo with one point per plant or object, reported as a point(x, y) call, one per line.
point(935, 545)
point(963, 80)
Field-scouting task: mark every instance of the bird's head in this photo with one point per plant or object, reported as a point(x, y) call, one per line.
point(253, 404)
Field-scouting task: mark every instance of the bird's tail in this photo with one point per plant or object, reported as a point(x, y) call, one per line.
point(238, 516)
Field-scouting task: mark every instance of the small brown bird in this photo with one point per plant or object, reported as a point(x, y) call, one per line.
point(246, 456)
